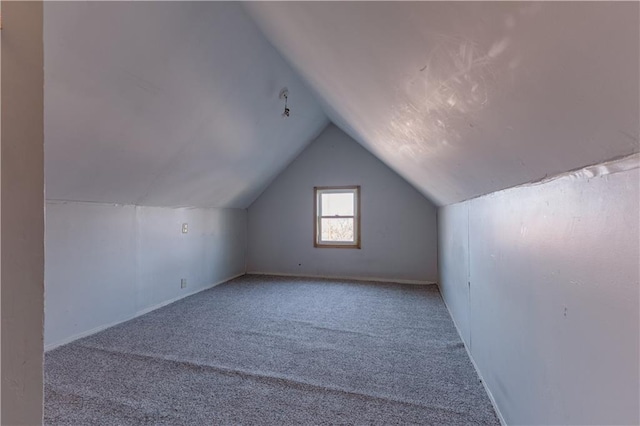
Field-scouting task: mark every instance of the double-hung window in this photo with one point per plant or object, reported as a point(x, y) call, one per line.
point(337, 216)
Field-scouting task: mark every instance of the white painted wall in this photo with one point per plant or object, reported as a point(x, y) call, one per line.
point(108, 263)
point(551, 313)
point(22, 213)
point(398, 225)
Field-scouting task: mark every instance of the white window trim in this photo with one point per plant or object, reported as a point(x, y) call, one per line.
point(317, 216)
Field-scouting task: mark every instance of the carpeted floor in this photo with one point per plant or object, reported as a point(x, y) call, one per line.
point(275, 351)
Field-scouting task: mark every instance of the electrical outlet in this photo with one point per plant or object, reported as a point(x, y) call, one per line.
point(183, 283)
point(185, 228)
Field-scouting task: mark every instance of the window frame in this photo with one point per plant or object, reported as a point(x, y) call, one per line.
point(317, 226)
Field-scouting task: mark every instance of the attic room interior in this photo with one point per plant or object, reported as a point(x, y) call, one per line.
point(320, 213)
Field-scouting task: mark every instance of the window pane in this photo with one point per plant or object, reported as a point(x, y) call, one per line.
point(337, 230)
point(340, 204)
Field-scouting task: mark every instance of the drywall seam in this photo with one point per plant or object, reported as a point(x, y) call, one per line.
point(246, 243)
point(137, 270)
point(65, 201)
point(468, 288)
point(139, 313)
point(475, 366)
point(340, 277)
point(608, 167)
point(1, 211)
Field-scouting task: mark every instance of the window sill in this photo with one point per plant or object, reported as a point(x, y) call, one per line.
point(342, 246)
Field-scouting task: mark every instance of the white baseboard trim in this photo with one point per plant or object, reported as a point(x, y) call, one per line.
point(473, 362)
point(99, 328)
point(342, 277)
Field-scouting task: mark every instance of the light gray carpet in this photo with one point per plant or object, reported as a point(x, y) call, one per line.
point(275, 351)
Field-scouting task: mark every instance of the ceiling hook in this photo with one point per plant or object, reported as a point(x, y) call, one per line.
point(284, 94)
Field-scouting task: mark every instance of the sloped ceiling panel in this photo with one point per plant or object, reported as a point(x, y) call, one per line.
point(466, 98)
point(167, 104)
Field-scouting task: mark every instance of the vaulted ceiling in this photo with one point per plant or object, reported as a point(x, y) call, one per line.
point(466, 98)
point(176, 104)
point(167, 104)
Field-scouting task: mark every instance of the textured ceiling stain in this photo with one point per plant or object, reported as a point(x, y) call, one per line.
point(457, 80)
point(466, 98)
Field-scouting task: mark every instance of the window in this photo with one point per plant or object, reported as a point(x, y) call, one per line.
point(337, 217)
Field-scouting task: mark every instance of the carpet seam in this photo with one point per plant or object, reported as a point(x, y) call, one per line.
point(272, 377)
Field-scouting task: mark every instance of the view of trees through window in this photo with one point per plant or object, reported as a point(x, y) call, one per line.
point(337, 230)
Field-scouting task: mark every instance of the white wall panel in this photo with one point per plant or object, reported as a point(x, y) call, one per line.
point(108, 263)
point(212, 250)
point(552, 313)
point(90, 267)
point(453, 263)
